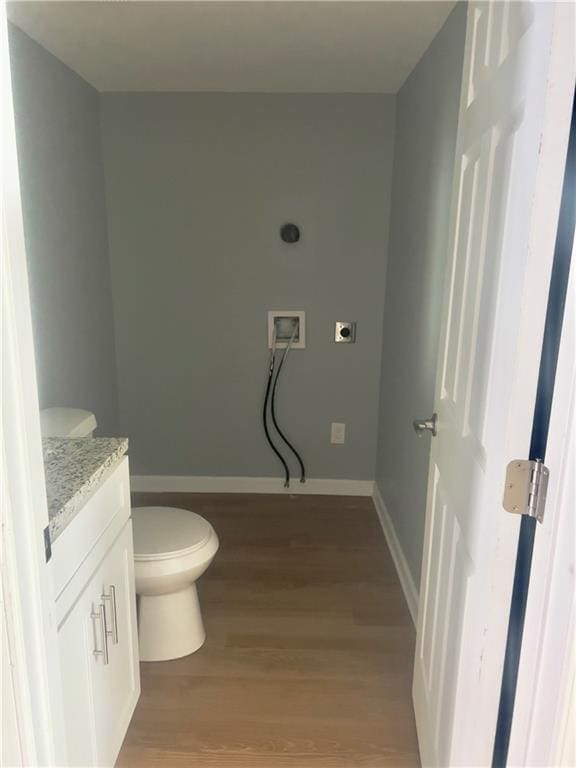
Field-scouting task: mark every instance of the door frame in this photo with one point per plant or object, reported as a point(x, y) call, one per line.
point(544, 695)
point(30, 621)
point(546, 673)
point(30, 635)
point(540, 734)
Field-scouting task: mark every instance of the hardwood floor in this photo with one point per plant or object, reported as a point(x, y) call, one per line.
point(308, 657)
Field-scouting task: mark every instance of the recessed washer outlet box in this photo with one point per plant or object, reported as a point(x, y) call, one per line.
point(285, 320)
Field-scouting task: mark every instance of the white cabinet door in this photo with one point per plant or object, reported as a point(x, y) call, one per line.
point(117, 686)
point(99, 659)
point(79, 666)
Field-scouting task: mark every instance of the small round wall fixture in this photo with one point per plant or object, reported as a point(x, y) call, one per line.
point(289, 233)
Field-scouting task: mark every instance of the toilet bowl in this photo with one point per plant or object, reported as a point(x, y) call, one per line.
point(172, 549)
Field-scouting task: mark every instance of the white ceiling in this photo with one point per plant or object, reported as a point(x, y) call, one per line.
point(266, 46)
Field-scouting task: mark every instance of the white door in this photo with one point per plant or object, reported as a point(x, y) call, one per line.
point(513, 124)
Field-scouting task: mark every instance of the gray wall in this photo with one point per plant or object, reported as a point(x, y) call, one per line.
point(197, 187)
point(426, 121)
point(62, 184)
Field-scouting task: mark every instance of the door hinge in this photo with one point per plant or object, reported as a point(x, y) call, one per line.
point(526, 486)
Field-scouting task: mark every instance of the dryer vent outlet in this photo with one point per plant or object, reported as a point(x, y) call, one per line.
point(284, 321)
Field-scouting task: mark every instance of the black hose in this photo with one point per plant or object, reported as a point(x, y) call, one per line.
point(264, 422)
point(273, 414)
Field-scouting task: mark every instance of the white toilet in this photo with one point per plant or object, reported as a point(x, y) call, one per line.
point(172, 549)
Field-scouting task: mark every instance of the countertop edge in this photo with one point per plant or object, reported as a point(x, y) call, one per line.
point(64, 513)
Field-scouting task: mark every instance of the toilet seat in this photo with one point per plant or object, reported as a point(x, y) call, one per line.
point(166, 533)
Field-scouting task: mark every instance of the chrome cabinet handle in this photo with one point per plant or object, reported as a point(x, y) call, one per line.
point(100, 615)
point(426, 425)
point(113, 633)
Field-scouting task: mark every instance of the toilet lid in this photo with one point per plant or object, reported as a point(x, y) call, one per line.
point(162, 532)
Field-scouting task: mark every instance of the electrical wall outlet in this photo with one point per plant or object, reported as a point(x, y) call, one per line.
point(338, 433)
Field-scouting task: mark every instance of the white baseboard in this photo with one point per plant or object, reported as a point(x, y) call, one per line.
point(198, 484)
point(406, 580)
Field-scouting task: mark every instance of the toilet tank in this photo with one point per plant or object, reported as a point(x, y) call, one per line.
point(67, 422)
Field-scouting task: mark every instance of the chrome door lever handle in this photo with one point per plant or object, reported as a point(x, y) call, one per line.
point(426, 425)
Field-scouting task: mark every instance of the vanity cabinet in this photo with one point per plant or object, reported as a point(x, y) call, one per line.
point(97, 634)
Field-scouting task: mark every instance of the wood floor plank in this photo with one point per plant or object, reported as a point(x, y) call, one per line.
point(245, 737)
point(285, 663)
point(174, 758)
point(308, 657)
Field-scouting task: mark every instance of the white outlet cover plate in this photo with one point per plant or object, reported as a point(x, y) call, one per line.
point(338, 433)
point(300, 314)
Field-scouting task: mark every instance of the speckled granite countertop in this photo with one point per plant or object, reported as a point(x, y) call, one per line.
point(74, 466)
